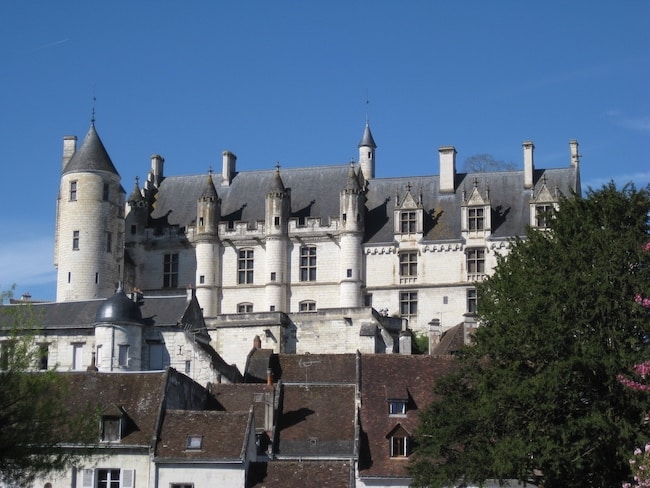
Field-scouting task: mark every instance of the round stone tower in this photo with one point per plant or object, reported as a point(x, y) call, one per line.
point(89, 237)
point(208, 249)
point(367, 148)
point(352, 213)
point(276, 229)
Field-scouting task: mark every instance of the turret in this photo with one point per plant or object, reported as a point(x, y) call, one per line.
point(277, 211)
point(352, 209)
point(118, 333)
point(208, 249)
point(89, 251)
point(367, 148)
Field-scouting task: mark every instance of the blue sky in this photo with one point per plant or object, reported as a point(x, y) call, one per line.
point(288, 81)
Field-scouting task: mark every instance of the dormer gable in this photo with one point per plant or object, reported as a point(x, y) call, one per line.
point(399, 441)
point(408, 215)
point(476, 212)
point(114, 424)
point(542, 204)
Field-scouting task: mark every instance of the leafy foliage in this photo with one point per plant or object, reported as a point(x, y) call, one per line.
point(537, 398)
point(33, 414)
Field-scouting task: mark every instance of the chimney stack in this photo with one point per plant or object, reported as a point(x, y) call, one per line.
point(228, 171)
point(157, 169)
point(529, 165)
point(575, 157)
point(447, 156)
point(69, 148)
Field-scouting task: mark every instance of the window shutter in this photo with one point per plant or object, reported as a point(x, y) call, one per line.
point(88, 480)
point(128, 478)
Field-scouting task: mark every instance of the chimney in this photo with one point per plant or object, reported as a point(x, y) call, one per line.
point(575, 157)
point(69, 147)
point(435, 331)
point(93, 365)
point(269, 377)
point(447, 169)
point(257, 342)
point(190, 293)
point(529, 166)
point(157, 169)
point(228, 171)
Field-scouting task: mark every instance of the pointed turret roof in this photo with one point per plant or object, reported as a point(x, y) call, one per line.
point(91, 156)
point(209, 191)
point(136, 194)
point(353, 180)
point(367, 140)
point(277, 185)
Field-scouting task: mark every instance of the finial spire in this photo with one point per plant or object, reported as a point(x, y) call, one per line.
point(367, 108)
point(92, 118)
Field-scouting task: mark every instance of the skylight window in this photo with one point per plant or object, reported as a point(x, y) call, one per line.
point(194, 442)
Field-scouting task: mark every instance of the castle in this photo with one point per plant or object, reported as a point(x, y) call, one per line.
point(327, 272)
point(312, 259)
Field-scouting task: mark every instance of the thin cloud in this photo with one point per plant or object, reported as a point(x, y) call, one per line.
point(636, 123)
point(50, 44)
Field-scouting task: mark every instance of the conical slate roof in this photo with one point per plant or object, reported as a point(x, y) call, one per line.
point(367, 140)
point(91, 156)
point(209, 191)
point(277, 185)
point(353, 180)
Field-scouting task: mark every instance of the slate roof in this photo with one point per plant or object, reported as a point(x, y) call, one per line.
point(298, 474)
point(317, 368)
point(317, 421)
point(224, 436)
point(160, 310)
point(90, 156)
point(393, 376)
point(315, 193)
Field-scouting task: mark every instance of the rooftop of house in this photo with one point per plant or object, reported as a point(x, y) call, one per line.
point(385, 378)
point(317, 368)
point(188, 436)
point(294, 474)
point(316, 421)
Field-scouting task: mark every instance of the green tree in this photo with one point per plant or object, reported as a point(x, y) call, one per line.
point(34, 420)
point(536, 397)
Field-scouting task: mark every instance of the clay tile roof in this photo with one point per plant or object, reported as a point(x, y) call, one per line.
point(223, 435)
point(317, 420)
point(391, 376)
point(240, 397)
point(137, 395)
point(318, 368)
point(296, 474)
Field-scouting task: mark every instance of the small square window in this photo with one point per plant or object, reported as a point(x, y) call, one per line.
point(194, 442)
point(397, 407)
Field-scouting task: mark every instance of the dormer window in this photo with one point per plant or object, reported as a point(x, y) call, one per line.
point(542, 215)
point(399, 442)
point(475, 220)
point(399, 446)
point(194, 442)
point(397, 407)
point(111, 428)
point(407, 222)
